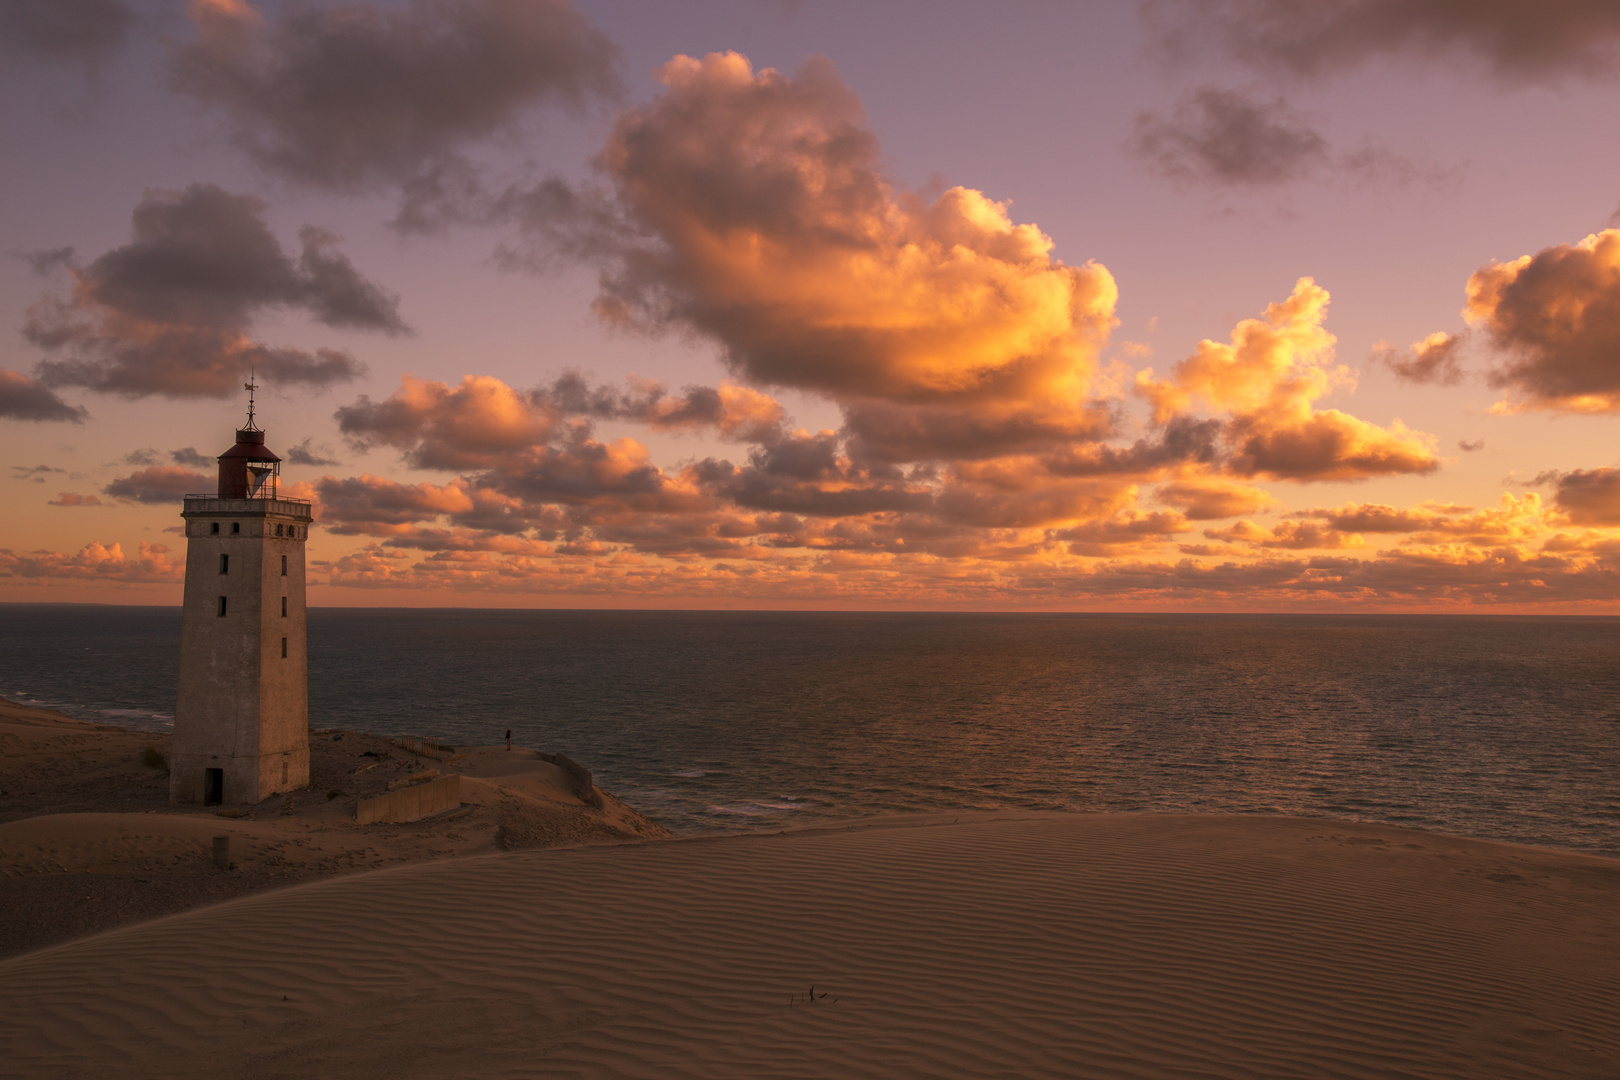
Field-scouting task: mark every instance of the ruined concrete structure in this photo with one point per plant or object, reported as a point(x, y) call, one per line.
point(241, 723)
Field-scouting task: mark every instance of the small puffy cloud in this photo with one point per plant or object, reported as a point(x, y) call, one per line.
point(1295, 535)
point(21, 398)
point(1225, 136)
point(1518, 41)
point(83, 32)
point(1434, 360)
point(1590, 496)
point(1468, 447)
point(731, 411)
point(304, 454)
point(1208, 498)
point(188, 455)
point(73, 498)
point(351, 95)
point(1111, 536)
point(475, 425)
point(159, 484)
point(36, 473)
point(1555, 318)
point(1268, 378)
point(170, 312)
point(375, 506)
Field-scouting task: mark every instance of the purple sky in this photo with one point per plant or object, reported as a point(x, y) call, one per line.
point(896, 406)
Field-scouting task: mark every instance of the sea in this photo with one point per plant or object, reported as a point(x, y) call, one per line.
point(1500, 727)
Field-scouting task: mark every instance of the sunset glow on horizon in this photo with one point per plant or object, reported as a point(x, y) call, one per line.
point(1164, 306)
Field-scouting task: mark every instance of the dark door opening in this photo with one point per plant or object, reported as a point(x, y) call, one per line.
point(213, 787)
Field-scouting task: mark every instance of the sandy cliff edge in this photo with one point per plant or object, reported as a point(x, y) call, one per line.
point(88, 841)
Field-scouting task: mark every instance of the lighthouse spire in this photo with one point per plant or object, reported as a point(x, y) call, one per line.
point(251, 386)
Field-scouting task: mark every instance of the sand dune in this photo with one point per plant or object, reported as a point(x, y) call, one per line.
point(1001, 945)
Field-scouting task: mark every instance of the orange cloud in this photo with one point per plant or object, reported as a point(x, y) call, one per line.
point(779, 236)
point(1268, 378)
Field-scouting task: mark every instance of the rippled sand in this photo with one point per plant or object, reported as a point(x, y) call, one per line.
point(988, 946)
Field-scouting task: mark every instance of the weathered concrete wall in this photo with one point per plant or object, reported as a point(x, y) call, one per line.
point(242, 706)
point(411, 803)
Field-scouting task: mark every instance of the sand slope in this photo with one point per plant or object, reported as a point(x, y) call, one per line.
point(1000, 946)
point(88, 840)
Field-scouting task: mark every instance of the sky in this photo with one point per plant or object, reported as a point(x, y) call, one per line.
point(1136, 305)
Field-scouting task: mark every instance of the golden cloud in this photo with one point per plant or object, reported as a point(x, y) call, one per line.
point(1268, 378)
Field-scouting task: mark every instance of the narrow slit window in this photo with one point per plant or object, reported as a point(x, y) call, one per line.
point(284, 648)
point(236, 527)
point(224, 564)
point(222, 606)
point(278, 530)
point(284, 566)
point(283, 607)
point(213, 528)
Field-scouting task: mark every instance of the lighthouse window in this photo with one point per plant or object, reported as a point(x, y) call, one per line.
point(224, 564)
point(214, 528)
point(278, 530)
point(283, 607)
point(284, 656)
point(236, 527)
point(222, 606)
point(284, 566)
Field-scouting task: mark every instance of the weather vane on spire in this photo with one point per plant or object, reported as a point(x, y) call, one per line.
point(251, 386)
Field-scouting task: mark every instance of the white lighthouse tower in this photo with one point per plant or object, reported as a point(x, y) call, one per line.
point(241, 722)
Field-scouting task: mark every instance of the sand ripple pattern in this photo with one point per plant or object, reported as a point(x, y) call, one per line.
point(998, 946)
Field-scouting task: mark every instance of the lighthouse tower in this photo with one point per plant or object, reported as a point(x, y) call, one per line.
point(241, 722)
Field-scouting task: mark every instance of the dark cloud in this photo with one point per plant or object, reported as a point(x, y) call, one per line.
point(304, 454)
point(143, 457)
point(170, 313)
point(1434, 360)
point(21, 398)
point(1327, 445)
point(1229, 137)
point(1234, 138)
point(84, 32)
point(1555, 317)
point(1183, 440)
point(732, 412)
point(351, 95)
point(1515, 40)
point(1590, 496)
point(1470, 447)
point(36, 473)
point(190, 456)
point(159, 484)
point(46, 260)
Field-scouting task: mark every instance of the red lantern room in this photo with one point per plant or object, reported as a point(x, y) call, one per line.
point(248, 470)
